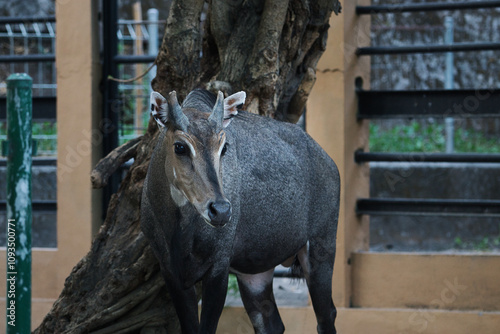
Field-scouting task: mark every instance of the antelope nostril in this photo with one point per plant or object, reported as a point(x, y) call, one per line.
point(213, 210)
point(219, 212)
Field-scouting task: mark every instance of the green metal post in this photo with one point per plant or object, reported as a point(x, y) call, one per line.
point(19, 112)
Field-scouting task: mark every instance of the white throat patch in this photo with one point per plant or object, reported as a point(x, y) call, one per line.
point(177, 196)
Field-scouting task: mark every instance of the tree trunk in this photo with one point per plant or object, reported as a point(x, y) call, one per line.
point(267, 48)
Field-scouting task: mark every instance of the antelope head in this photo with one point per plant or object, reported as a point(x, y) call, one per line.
point(194, 145)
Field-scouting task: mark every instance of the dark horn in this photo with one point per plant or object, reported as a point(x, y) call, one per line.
point(217, 114)
point(180, 120)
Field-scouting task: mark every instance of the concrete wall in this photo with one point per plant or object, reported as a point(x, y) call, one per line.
point(433, 180)
point(331, 121)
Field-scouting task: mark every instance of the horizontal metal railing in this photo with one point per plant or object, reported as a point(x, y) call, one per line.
point(36, 205)
point(122, 59)
point(37, 161)
point(463, 103)
point(429, 103)
point(428, 207)
point(436, 48)
point(362, 157)
point(34, 58)
point(44, 107)
point(27, 19)
point(425, 7)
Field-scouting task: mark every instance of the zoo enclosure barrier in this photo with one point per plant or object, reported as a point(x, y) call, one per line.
point(27, 44)
point(416, 292)
point(389, 104)
point(115, 35)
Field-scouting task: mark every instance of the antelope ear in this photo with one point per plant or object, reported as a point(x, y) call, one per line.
point(159, 108)
point(230, 104)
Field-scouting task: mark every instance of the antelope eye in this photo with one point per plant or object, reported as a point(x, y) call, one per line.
point(224, 150)
point(180, 149)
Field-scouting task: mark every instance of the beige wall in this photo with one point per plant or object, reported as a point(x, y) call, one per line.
point(331, 121)
point(78, 74)
point(427, 280)
point(301, 320)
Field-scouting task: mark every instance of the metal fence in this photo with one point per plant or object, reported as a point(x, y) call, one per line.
point(138, 43)
point(27, 44)
point(398, 63)
point(422, 103)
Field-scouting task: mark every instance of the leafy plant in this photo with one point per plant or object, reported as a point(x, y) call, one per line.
point(475, 141)
point(485, 244)
point(232, 286)
point(429, 138)
point(45, 133)
point(482, 245)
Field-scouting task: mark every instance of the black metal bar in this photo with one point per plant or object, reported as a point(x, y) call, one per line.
point(436, 48)
point(44, 108)
point(44, 161)
point(49, 57)
point(35, 162)
point(123, 22)
point(428, 207)
point(361, 157)
point(27, 19)
point(425, 7)
point(111, 100)
point(36, 205)
point(121, 59)
point(429, 103)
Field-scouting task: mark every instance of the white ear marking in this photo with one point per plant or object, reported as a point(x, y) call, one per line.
point(230, 104)
point(159, 108)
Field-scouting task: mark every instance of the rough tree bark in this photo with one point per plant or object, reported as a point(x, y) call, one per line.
point(267, 48)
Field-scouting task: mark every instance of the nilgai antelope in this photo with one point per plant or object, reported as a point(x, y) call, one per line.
point(228, 191)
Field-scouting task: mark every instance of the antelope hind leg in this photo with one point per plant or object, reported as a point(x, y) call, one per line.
point(258, 298)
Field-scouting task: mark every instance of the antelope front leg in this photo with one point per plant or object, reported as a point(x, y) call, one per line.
point(186, 306)
point(214, 290)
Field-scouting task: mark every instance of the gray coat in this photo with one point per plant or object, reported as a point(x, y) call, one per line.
point(283, 191)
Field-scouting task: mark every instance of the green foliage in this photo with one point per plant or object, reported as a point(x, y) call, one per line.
point(410, 138)
point(44, 128)
point(430, 138)
point(484, 244)
point(232, 286)
point(496, 241)
point(475, 141)
point(45, 133)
